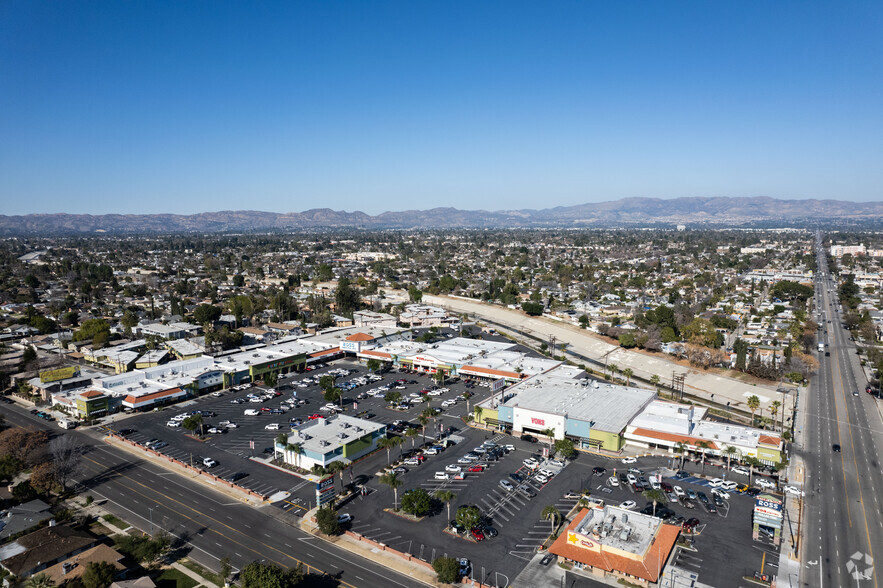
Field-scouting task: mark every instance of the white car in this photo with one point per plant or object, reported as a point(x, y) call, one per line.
point(442, 476)
point(729, 485)
point(715, 482)
point(531, 463)
point(209, 462)
point(217, 394)
point(251, 412)
point(231, 425)
point(545, 472)
point(453, 469)
point(739, 470)
point(271, 427)
point(679, 492)
point(723, 495)
point(430, 451)
point(613, 481)
point(628, 505)
point(173, 424)
point(256, 399)
point(794, 490)
point(629, 460)
point(542, 479)
point(631, 478)
point(764, 483)
point(654, 483)
point(180, 417)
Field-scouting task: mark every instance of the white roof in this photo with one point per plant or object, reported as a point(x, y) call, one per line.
point(324, 435)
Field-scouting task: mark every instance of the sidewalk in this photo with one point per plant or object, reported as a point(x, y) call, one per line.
point(790, 553)
point(376, 552)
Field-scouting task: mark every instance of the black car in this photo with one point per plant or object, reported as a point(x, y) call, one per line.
point(547, 559)
point(125, 432)
point(528, 438)
point(681, 474)
point(235, 477)
point(836, 448)
point(488, 530)
point(702, 497)
point(623, 480)
point(599, 471)
point(517, 477)
point(710, 507)
point(752, 491)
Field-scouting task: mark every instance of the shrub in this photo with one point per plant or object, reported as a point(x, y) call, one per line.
point(447, 569)
point(417, 502)
point(326, 518)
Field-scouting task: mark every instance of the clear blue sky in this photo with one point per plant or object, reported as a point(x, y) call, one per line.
point(140, 107)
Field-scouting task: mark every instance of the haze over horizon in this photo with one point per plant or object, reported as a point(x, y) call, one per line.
point(194, 107)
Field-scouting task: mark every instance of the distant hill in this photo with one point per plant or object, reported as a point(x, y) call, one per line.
point(619, 213)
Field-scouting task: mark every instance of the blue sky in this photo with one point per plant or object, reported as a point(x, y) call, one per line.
point(147, 107)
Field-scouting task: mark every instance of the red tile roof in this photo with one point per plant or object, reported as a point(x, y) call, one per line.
point(326, 352)
point(379, 354)
point(770, 440)
point(360, 337)
point(91, 394)
point(685, 439)
point(147, 397)
point(647, 568)
point(489, 372)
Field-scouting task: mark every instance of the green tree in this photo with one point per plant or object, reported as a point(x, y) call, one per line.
point(373, 365)
point(333, 395)
point(92, 328)
point(271, 379)
point(326, 382)
point(681, 449)
point(414, 295)
point(774, 410)
point(193, 423)
point(326, 519)
point(412, 434)
point(337, 467)
point(264, 575)
point(654, 379)
point(751, 462)
point(393, 397)
point(753, 405)
point(417, 502)
point(532, 308)
point(98, 574)
point(627, 340)
point(447, 497)
point(628, 373)
point(447, 569)
point(655, 496)
point(741, 349)
point(565, 448)
point(226, 570)
point(39, 581)
point(468, 517)
point(551, 513)
point(703, 445)
point(730, 451)
point(392, 480)
point(206, 314)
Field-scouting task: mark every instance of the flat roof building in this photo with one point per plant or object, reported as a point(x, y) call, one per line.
point(336, 438)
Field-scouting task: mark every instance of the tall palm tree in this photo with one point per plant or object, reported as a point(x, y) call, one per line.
point(447, 497)
point(392, 480)
point(478, 412)
point(281, 439)
point(297, 450)
point(751, 462)
point(614, 369)
point(337, 467)
point(387, 443)
point(551, 513)
point(398, 442)
point(729, 451)
point(628, 373)
point(423, 419)
point(411, 433)
point(654, 379)
point(753, 405)
point(774, 410)
point(550, 433)
point(703, 445)
point(681, 449)
point(655, 496)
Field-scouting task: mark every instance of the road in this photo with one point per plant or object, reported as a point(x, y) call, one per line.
point(842, 523)
point(211, 524)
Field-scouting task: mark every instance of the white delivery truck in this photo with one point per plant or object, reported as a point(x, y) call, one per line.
point(67, 423)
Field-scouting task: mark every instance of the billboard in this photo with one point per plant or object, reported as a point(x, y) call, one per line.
point(498, 385)
point(59, 374)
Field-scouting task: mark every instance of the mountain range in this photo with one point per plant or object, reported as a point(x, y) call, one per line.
point(628, 212)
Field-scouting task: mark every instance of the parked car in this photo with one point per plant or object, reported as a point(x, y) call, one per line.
point(344, 518)
point(737, 469)
point(506, 485)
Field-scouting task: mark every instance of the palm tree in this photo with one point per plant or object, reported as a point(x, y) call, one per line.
point(551, 513)
point(337, 467)
point(654, 379)
point(655, 496)
point(550, 433)
point(681, 448)
point(392, 480)
point(703, 445)
point(729, 451)
point(39, 581)
point(478, 412)
point(751, 462)
point(398, 442)
point(447, 497)
point(628, 373)
point(614, 369)
point(297, 450)
point(774, 410)
point(423, 419)
point(411, 433)
point(281, 439)
point(753, 405)
point(387, 443)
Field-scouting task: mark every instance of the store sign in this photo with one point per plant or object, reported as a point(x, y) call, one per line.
point(764, 503)
point(424, 359)
point(498, 385)
point(536, 421)
point(351, 346)
point(324, 483)
point(59, 374)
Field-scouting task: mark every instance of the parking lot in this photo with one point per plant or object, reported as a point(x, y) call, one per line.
point(722, 540)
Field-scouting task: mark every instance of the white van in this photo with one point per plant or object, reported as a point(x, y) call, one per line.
point(251, 412)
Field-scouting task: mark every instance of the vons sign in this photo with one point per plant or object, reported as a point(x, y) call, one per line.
point(536, 421)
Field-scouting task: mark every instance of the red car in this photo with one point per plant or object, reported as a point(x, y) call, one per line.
point(420, 457)
point(265, 409)
point(475, 468)
point(478, 534)
point(316, 416)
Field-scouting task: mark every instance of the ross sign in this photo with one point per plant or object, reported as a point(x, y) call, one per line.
point(765, 503)
point(324, 483)
point(351, 346)
point(498, 385)
point(59, 374)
